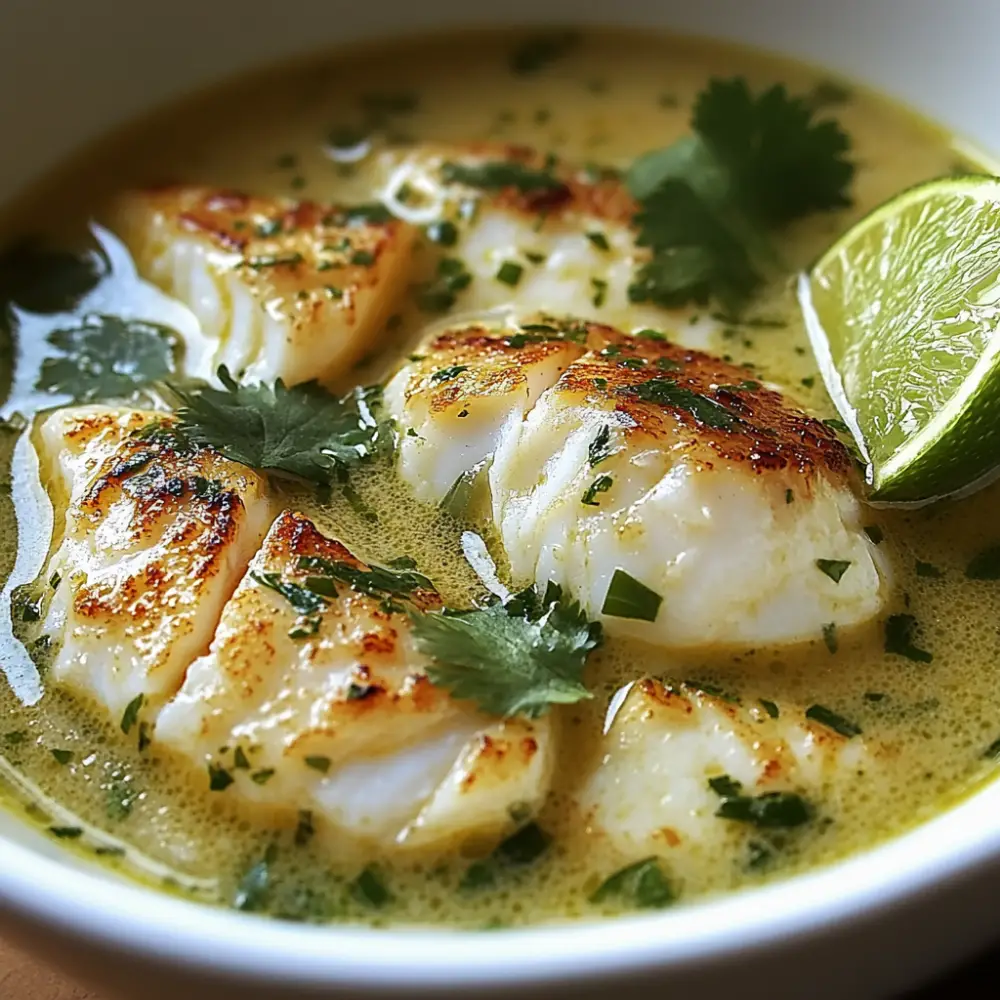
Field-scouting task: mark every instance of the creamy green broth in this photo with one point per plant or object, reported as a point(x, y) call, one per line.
point(604, 99)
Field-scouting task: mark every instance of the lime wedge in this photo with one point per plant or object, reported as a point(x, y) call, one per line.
point(904, 317)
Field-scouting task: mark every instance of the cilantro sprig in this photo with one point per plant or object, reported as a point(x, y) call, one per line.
point(754, 163)
point(302, 431)
point(517, 657)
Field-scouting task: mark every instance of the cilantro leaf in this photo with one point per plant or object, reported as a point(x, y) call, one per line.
point(642, 884)
point(302, 431)
point(106, 356)
point(516, 657)
point(782, 164)
point(706, 203)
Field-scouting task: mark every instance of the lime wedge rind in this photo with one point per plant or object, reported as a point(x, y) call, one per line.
point(899, 312)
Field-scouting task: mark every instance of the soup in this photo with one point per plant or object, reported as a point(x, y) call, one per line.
point(312, 738)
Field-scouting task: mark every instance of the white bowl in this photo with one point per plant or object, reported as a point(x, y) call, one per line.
point(870, 926)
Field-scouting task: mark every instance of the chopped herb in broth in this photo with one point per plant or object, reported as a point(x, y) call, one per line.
point(719, 173)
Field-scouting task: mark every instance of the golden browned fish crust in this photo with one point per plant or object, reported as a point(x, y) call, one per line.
point(666, 390)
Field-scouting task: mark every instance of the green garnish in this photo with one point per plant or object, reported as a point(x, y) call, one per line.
point(833, 568)
point(628, 598)
point(600, 287)
point(302, 431)
point(131, 714)
point(240, 759)
point(929, 570)
point(770, 707)
point(600, 485)
point(752, 164)
point(899, 633)
point(599, 240)
point(369, 889)
point(219, 779)
point(830, 637)
point(107, 357)
point(321, 764)
point(827, 717)
point(66, 832)
point(600, 447)
point(303, 600)
point(263, 776)
point(304, 830)
point(985, 565)
point(62, 756)
point(375, 581)
point(252, 891)
point(444, 233)
point(993, 750)
point(789, 496)
point(875, 534)
point(517, 657)
point(666, 392)
point(772, 810)
point(440, 294)
point(536, 53)
point(495, 175)
point(509, 273)
point(642, 884)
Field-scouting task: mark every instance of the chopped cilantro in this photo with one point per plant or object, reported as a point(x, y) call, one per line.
point(444, 233)
point(538, 52)
point(600, 485)
point(62, 756)
point(642, 884)
point(303, 600)
point(899, 635)
point(830, 637)
point(600, 287)
point(993, 751)
point(252, 892)
point(772, 810)
point(986, 565)
point(666, 392)
point(789, 496)
point(440, 294)
point(509, 273)
point(833, 568)
point(515, 657)
point(240, 759)
point(495, 175)
point(219, 779)
point(827, 717)
point(263, 776)
point(600, 447)
point(770, 707)
point(66, 832)
point(304, 830)
point(628, 598)
point(131, 714)
point(599, 240)
point(302, 431)
point(375, 581)
point(369, 888)
point(875, 534)
point(929, 570)
point(321, 764)
point(106, 356)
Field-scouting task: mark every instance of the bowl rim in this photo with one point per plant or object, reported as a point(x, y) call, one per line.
point(208, 939)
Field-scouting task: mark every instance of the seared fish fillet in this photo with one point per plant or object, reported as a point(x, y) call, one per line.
point(682, 502)
point(289, 290)
point(154, 542)
point(664, 743)
point(315, 690)
point(533, 234)
point(459, 391)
